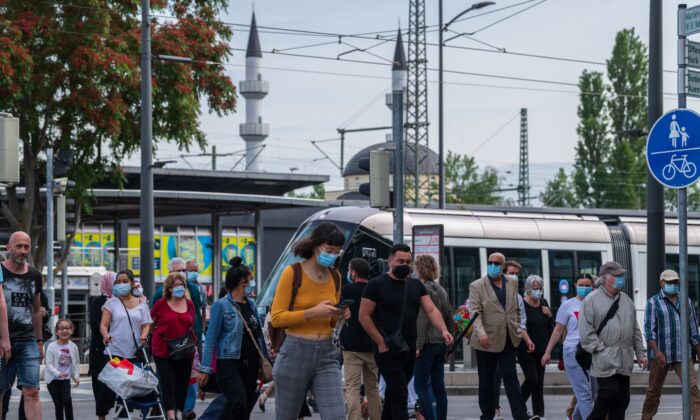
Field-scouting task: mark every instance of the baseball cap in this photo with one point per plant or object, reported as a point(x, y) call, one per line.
point(611, 267)
point(669, 275)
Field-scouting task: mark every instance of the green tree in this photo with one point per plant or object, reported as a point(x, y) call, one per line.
point(590, 173)
point(627, 110)
point(318, 193)
point(559, 192)
point(71, 74)
point(466, 184)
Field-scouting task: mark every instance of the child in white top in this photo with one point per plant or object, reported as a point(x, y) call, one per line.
point(62, 364)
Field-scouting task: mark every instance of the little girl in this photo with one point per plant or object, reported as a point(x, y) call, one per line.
point(62, 364)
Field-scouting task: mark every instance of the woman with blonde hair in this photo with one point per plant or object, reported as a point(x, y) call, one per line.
point(173, 343)
point(429, 372)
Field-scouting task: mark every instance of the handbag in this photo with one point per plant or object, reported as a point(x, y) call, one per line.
point(141, 354)
point(395, 341)
point(584, 358)
point(265, 371)
point(182, 348)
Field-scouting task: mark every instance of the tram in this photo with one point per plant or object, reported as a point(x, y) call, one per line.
point(555, 244)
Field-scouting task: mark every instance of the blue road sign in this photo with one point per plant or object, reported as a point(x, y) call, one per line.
point(673, 148)
point(563, 286)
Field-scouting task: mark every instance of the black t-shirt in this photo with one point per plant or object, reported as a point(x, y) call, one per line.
point(248, 349)
point(353, 337)
point(19, 291)
point(388, 294)
point(539, 327)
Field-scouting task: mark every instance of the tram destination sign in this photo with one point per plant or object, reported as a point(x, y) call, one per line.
point(691, 20)
point(693, 54)
point(429, 240)
point(693, 84)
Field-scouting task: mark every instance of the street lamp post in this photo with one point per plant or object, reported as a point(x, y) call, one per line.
point(441, 129)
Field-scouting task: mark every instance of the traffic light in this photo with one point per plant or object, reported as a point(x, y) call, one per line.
point(62, 162)
point(378, 186)
point(65, 212)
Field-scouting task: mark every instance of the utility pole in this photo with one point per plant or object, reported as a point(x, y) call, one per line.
point(441, 120)
point(656, 246)
point(50, 288)
point(213, 158)
point(524, 169)
point(147, 222)
point(398, 84)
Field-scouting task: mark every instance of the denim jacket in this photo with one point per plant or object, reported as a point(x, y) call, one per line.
point(226, 331)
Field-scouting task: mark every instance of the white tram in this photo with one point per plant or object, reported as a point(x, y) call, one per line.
point(556, 244)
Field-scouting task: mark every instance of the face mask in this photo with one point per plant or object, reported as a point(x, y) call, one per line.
point(179, 291)
point(513, 277)
point(325, 259)
point(349, 277)
point(583, 291)
point(121, 289)
point(670, 289)
point(619, 282)
point(401, 271)
point(494, 271)
point(537, 294)
point(250, 287)
point(137, 292)
point(192, 275)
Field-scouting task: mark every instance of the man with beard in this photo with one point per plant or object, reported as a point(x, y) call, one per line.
point(21, 322)
point(388, 313)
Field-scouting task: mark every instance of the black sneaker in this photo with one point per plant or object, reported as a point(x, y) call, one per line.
point(312, 404)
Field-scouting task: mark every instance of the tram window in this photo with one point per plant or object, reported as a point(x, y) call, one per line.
point(565, 265)
point(467, 269)
point(530, 259)
point(693, 276)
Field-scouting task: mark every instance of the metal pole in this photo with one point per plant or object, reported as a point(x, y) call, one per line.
point(441, 140)
point(50, 288)
point(259, 232)
point(397, 122)
point(213, 158)
point(147, 214)
point(683, 231)
point(656, 256)
point(64, 288)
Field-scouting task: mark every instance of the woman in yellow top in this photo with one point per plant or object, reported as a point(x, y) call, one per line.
point(308, 359)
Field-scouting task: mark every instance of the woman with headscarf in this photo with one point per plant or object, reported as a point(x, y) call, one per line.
point(97, 347)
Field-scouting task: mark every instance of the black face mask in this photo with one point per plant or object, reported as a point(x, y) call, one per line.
point(401, 271)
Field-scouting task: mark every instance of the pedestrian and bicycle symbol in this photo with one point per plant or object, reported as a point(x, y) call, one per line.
point(673, 148)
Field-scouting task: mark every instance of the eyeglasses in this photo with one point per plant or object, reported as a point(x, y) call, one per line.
point(64, 329)
point(180, 271)
point(337, 253)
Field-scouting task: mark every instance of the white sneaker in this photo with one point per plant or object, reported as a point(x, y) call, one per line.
point(498, 415)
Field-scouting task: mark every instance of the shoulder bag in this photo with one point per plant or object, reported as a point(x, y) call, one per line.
point(265, 370)
point(395, 341)
point(584, 358)
point(141, 354)
point(277, 335)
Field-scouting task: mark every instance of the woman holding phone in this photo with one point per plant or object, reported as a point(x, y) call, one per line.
point(308, 359)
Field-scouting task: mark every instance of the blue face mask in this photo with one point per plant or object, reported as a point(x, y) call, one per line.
point(121, 289)
point(537, 294)
point(325, 259)
point(670, 289)
point(619, 282)
point(493, 270)
point(179, 291)
point(250, 288)
point(192, 275)
point(583, 291)
point(349, 277)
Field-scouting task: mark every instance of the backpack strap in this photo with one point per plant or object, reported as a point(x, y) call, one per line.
point(296, 284)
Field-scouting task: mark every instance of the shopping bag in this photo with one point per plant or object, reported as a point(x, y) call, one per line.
point(126, 379)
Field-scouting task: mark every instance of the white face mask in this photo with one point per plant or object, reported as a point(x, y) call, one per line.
point(537, 294)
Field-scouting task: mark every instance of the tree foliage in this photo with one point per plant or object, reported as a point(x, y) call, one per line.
point(318, 192)
point(559, 192)
point(467, 184)
point(71, 74)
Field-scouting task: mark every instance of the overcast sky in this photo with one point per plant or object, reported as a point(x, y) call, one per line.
point(307, 103)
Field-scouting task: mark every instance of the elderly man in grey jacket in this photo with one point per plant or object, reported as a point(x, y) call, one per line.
point(614, 348)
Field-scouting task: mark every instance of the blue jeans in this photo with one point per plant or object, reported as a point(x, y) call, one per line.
point(24, 365)
point(191, 399)
point(429, 381)
point(580, 383)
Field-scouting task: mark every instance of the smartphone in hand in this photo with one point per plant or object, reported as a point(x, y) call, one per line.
point(346, 303)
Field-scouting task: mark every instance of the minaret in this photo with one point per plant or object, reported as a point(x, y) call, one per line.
point(254, 89)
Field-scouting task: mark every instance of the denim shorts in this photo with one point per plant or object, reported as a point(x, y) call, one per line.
point(24, 366)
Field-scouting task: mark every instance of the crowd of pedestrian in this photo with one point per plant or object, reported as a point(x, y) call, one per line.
point(354, 349)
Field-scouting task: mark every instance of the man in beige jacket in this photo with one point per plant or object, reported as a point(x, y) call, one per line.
point(496, 336)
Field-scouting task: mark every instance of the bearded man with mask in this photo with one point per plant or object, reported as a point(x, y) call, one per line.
point(496, 336)
point(388, 313)
point(614, 345)
point(662, 327)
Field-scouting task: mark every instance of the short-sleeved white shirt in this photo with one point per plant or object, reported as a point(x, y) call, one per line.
point(125, 338)
point(567, 315)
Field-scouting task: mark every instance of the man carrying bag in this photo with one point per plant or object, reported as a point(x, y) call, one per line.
point(388, 313)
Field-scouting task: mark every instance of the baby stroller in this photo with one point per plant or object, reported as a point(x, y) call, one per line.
point(136, 387)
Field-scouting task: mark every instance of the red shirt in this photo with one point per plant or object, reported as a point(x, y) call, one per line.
point(168, 324)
